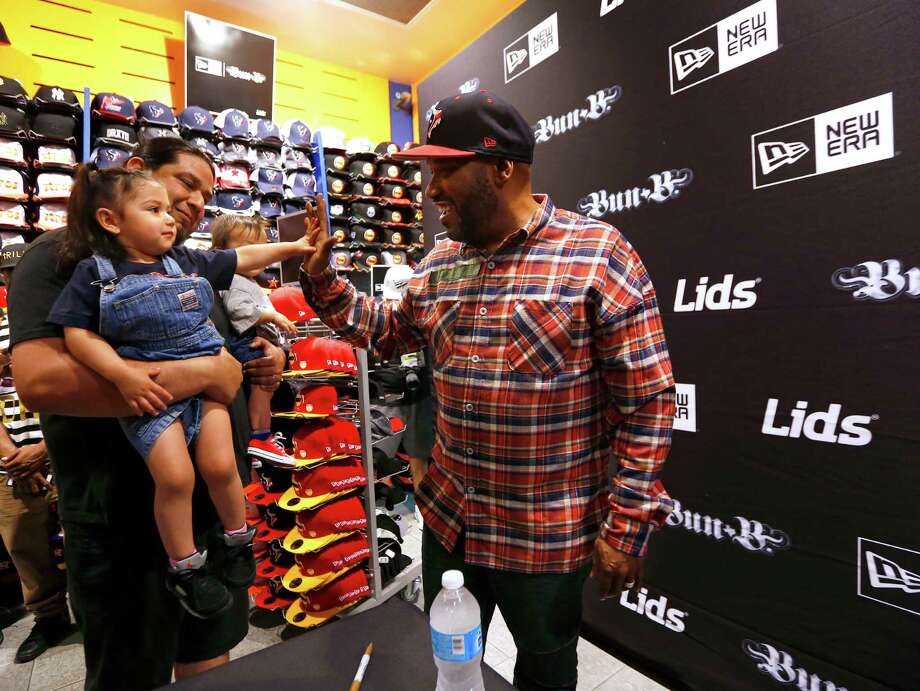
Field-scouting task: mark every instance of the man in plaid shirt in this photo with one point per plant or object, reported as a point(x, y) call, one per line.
point(550, 367)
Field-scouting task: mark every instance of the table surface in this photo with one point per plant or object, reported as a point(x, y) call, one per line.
point(327, 658)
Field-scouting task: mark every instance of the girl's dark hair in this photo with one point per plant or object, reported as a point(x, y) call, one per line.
point(94, 190)
point(226, 226)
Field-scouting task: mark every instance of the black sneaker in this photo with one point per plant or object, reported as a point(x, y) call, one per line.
point(239, 564)
point(201, 594)
point(47, 633)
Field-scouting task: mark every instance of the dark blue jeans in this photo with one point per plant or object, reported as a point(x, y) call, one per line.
point(543, 612)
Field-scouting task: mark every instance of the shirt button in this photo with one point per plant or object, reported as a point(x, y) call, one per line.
point(483, 310)
point(475, 358)
point(468, 407)
point(471, 490)
point(469, 451)
point(491, 265)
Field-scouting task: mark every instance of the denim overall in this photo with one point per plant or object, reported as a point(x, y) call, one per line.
point(156, 317)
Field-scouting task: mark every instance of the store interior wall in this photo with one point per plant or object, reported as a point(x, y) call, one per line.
point(79, 43)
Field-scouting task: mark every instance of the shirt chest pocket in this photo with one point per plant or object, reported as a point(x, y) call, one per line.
point(540, 338)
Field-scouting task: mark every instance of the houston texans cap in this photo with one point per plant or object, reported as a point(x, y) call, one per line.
point(264, 157)
point(197, 120)
point(297, 134)
point(300, 184)
point(233, 151)
point(482, 123)
point(233, 124)
point(293, 158)
point(206, 145)
point(265, 132)
point(155, 113)
point(270, 207)
point(268, 181)
point(234, 202)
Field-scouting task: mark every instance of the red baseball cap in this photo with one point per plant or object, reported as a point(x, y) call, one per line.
point(315, 570)
point(277, 561)
point(314, 401)
point(289, 300)
point(316, 486)
point(273, 595)
point(324, 525)
point(304, 358)
point(312, 444)
point(255, 493)
point(317, 606)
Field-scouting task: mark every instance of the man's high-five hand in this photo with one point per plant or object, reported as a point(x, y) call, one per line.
point(317, 234)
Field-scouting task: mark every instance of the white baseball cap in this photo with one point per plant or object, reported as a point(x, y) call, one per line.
point(396, 281)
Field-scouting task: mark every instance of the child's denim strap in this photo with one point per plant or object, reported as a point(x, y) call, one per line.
point(107, 277)
point(171, 266)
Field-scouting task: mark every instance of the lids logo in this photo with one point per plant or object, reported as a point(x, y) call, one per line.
point(779, 665)
point(775, 154)
point(655, 608)
point(819, 426)
point(888, 574)
point(530, 49)
point(738, 39)
point(434, 119)
point(686, 61)
point(879, 281)
point(853, 135)
point(718, 296)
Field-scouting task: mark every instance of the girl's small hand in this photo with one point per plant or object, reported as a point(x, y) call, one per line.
point(285, 324)
point(142, 393)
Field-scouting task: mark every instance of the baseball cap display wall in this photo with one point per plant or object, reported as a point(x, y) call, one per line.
point(39, 137)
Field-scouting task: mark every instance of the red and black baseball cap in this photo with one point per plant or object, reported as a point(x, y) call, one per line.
point(479, 123)
point(317, 528)
point(312, 571)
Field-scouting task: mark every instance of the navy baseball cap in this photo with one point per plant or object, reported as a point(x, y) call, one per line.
point(296, 159)
point(232, 151)
point(204, 225)
point(234, 202)
point(479, 123)
point(109, 106)
point(233, 124)
point(270, 207)
point(197, 120)
point(206, 145)
point(268, 181)
point(104, 157)
point(148, 132)
point(155, 113)
point(300, 184)
point(292, 205)
point(114, 134)
point(263, 157)
point(297, 134)
point(265, 131)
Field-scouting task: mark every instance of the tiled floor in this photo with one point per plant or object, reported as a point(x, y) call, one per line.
point(61, 668)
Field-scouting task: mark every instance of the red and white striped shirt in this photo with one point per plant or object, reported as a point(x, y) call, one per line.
point(550, 369)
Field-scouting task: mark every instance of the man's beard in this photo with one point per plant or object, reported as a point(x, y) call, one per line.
point(477, 212)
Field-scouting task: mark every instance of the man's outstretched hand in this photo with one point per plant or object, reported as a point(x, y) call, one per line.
point(317, 234)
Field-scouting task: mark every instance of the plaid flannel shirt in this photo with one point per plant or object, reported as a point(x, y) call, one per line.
point(550, 368)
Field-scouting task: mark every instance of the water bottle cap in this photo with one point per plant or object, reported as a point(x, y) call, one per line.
point(452, 580)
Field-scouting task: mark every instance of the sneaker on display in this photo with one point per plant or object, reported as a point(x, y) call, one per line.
point(271, 449)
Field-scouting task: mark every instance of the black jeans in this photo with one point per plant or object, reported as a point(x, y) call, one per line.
point(133, 628)
point(543, 612)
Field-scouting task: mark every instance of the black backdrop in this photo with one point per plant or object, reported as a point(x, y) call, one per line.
point(794, 557)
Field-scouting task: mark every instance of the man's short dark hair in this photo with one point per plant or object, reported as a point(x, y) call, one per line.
point(162, 151)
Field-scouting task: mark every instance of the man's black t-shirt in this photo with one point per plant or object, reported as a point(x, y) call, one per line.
point(100, 477)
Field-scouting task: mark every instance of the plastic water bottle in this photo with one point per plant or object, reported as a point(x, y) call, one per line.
point(456, 636)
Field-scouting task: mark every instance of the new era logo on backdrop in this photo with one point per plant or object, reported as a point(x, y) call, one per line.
point(532, 48)
point(730, 43)
point(781, 666)
point(610, 5)
point(879, 281)
point(888, 574)
point(599, 104)
point(850, 136)
point(685, 410)
point(666, 185)
point(753, 536)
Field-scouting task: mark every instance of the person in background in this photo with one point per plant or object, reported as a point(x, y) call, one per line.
point(550, 367)
point(251, 313)
point(25, 517)
point(134, 631)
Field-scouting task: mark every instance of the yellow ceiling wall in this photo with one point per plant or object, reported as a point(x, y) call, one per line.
point(78, 43)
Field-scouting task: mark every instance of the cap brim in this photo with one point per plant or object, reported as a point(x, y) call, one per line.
point(305, 416)
point(256, 494)
point(291, 501)
point(265, 599)
point(298, 582)
point(296, 615)
point(431, 151)
point(269, 570)
point(296, 543)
